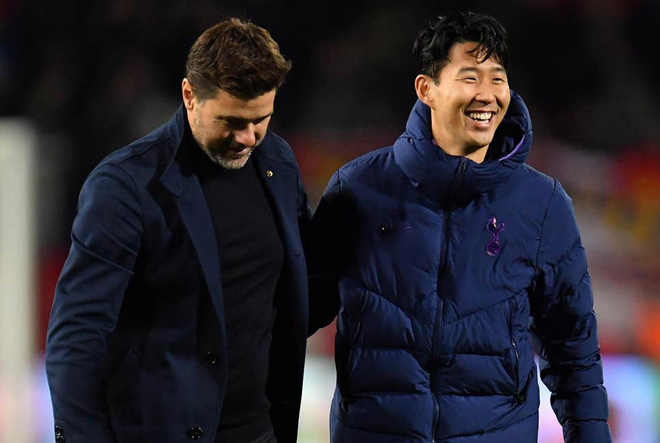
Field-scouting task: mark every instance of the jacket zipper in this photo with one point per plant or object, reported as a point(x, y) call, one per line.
point(458, 180)
point(516, 363)
point(352, 341)
point(456, 183)
point(436, 417)
point(460, 175)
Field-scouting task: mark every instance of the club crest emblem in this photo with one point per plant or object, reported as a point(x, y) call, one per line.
point(494, 247)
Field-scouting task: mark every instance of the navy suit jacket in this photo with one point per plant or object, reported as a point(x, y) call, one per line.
point(136, 346)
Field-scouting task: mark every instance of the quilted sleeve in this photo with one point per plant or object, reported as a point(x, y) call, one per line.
point(326, 243)
point(564, 328)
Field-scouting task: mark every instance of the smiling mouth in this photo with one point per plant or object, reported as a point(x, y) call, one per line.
point(481, 117)
point(239, 152)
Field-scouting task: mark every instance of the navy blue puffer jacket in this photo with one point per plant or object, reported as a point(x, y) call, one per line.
point(443, 272)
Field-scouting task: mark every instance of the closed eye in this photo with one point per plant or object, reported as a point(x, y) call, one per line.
point(232, 124)
point(240, 123)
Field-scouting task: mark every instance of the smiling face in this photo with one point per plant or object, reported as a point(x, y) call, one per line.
point(228, 128)
point(468, 101)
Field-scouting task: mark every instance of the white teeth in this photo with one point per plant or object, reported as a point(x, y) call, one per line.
point(480, 116)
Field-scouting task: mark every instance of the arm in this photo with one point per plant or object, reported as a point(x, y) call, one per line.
point(564, 328)
point(304, 211)
point(328, 244)
point(106, 237)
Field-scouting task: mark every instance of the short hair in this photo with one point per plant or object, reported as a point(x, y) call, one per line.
point(238, 57)
point(434, 41)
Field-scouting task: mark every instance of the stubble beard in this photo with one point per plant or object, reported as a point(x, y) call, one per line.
point(217, 156)
point(219, 159)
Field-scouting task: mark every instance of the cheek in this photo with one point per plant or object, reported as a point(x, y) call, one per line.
point(506, 103)
point(504, 97)
point(215, 132)
point(457, 102)
point(261, 130)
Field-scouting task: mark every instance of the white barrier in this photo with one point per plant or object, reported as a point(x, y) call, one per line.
point(17, 279)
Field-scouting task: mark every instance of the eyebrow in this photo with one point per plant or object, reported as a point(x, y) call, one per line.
point(231, 119)
point(465, 69)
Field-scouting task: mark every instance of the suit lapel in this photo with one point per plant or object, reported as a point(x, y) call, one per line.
point(184, 185)
point(278, 179)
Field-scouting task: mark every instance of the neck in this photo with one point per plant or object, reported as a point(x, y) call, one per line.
point(477, 155)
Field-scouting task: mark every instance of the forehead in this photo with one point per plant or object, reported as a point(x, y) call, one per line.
point(463, 55)
point(227, 105)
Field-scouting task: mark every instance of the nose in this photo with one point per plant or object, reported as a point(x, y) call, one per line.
point(485, 92)
point(246, 136)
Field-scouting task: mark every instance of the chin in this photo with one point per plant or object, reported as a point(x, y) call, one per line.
point(482, 142)
point(231, 163)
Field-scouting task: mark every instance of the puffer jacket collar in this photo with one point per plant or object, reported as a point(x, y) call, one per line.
point(434, 172)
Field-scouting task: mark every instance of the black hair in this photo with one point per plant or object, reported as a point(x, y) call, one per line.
point(434, 41)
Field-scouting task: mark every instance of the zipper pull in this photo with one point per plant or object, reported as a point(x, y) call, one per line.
point(462, 165)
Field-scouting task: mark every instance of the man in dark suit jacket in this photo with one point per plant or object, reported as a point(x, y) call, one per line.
point(181, 311)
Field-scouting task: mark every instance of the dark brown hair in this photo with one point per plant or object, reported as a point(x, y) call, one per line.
point(238, 57)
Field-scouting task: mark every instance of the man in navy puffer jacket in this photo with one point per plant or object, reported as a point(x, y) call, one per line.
point(445, 257)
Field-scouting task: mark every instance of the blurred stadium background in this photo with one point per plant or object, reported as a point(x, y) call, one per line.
point(79, 79)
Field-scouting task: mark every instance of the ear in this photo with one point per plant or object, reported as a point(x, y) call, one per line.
point(423, 88)
point(188, 94)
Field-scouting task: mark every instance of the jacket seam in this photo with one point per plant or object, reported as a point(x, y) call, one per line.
point(409, 350)
point(570, 251)
point(480, 354)
point(339, 182)
point(584, 420)
point(472, 394)
point(410, 315)
point(137, 193)
point(136, 149)
point(371, 431)
point(545, 218)
point(89, 252)
point(493, 431)
point(588, 360)
point(381, 393)
point(485, 308)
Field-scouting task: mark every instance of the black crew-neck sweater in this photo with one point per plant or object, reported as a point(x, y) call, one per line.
point(251, 256)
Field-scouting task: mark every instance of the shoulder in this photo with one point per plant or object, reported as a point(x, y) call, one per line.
point(546, 191)
point(373, 164)
point(534, 186)
point(546, 197)
point(546, 187)
point(143, 149)
point(540, 181)
point(140, 160)
point(276, 148)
